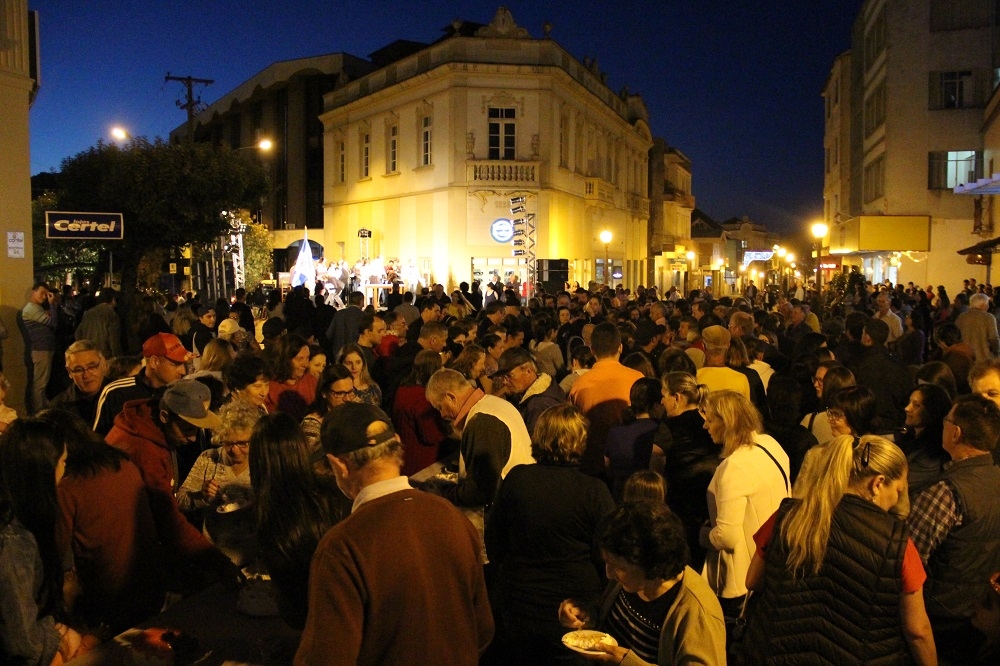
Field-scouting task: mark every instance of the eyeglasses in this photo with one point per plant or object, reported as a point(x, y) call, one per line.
point(817, 380)
point(834, 414)
point(84, 369)
point(242, 444)
point(342, 394)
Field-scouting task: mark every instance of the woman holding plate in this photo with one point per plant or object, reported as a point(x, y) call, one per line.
point(657, 609)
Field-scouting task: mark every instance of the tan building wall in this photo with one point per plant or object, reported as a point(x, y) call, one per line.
point(16, 92)
point(580, 159)
point(901, 110)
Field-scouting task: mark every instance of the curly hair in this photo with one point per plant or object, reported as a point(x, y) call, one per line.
point(647, 535)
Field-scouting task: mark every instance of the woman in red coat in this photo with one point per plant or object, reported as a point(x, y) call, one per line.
point(418, 424)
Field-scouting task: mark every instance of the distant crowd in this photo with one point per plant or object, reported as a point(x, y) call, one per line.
point(797, 476)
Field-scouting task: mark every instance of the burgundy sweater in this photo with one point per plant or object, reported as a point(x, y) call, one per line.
point(399, 582)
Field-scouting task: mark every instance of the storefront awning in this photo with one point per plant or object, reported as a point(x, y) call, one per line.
point(989, 185)
point(983, 247)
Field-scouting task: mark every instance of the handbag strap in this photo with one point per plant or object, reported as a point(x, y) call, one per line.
point(780, 468)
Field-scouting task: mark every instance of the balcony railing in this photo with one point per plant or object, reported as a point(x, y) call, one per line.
point(638, 205)
point(505, 173)
point(598, 189)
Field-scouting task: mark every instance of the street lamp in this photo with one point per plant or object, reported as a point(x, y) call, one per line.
point(606, 239)
point(819, 231)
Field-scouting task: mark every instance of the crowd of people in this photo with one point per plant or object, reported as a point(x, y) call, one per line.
point(800, 478)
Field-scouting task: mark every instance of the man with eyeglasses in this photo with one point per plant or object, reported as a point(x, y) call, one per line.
point(164, 358)
point(87, 368)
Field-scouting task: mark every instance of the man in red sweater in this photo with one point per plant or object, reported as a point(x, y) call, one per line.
point(400, 581)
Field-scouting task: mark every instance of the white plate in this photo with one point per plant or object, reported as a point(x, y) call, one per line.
point(587, 637)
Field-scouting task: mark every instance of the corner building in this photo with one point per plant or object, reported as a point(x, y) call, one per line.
point(904, 112)
point(426, 151)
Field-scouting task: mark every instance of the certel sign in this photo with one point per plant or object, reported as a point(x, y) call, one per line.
point(84, 226)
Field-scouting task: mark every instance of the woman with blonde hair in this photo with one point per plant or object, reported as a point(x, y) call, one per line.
point(745, 491)
point(540, 532)
point(217, 355)
point(840, 579)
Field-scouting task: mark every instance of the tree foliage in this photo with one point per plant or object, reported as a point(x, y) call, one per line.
point(56, 257)
point(257, 255)
point(170, 195)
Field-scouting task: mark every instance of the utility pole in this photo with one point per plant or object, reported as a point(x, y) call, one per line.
point(191, 104)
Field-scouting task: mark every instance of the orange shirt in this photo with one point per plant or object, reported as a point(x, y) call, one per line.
point(607, 380)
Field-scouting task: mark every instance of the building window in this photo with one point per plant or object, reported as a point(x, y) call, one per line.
point(366, 146)
point(875, 39)
point(875, 109)
point(503, 135)
point(947, 169)
point(874, 179)
point(390, 149)
point(341, 161)
point(426, 140)
point(952, 90)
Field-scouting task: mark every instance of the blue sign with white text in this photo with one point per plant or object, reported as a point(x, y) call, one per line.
point(84, 226)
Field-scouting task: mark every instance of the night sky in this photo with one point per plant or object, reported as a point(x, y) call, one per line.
point(734, 85)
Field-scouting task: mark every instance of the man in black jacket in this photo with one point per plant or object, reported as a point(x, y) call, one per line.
point(875, 369)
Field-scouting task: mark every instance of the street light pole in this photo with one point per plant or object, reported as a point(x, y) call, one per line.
point(606, 239)
point(819, 231)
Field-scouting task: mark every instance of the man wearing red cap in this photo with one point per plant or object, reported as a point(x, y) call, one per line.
point(164, 358)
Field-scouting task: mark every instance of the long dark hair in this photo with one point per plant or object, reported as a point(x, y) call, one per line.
point(294, 510)
point(86, 452)
point(29, 452)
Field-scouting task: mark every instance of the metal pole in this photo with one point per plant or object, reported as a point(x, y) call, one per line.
point(222, 258)
point(606, 260)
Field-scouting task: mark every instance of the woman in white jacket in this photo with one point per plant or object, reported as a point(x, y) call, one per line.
point(746, 489)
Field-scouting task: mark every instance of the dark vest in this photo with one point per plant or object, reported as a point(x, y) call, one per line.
point(958, 569)
point(849, 612)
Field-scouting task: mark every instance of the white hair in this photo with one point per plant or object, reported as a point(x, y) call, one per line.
point(979, 301)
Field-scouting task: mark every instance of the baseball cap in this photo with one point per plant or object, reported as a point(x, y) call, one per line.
point(716, 337)
point(189, 399)
point(511, 359)
point(345, 428)
point(165, 344)
point(230, 327)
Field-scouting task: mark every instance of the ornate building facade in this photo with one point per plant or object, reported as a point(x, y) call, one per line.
point(423, 155)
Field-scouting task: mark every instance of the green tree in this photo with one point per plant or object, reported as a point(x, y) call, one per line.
point(169, 195)
point(55, 258)
point(257, 256)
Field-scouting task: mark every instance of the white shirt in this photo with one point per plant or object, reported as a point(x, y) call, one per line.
point(380, 489)
point(744, 492)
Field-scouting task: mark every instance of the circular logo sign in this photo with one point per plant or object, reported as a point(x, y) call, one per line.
point(502, 230)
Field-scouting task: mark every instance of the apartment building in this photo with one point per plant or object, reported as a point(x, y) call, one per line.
point(904, 109)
